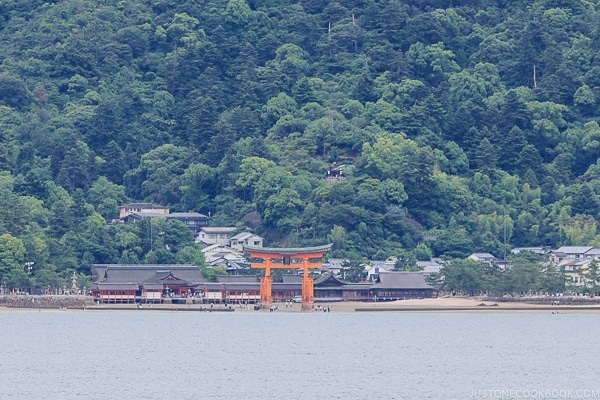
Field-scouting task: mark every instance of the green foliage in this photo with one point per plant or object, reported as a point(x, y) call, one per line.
point(12, 258)
point(353, 271)
point(525, 273)
point(471, 122)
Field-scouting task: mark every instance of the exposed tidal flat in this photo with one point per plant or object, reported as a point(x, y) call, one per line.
point(134, 354)
point(476, 304)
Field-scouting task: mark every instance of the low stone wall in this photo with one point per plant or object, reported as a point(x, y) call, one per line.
point(57, 302)
point(550, 300)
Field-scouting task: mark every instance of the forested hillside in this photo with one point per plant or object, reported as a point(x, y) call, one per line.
point(463, 126)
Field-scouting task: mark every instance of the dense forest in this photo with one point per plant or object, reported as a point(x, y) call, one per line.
point(462, 126)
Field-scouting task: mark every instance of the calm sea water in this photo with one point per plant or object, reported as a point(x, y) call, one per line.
point(188, 355)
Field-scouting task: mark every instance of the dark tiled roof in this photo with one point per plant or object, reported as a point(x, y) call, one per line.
point(254, 286)
point(185, 215)
point(117, 286)
point(167, 278)
point(237, 279)
point(284, 286)
point(141, 205)
point(401, 280)
point(152, 286)
point(218, 229)
point(115, 273)
point(350, 286)
point(214, 285)
point(288, 278)
point(328, 279)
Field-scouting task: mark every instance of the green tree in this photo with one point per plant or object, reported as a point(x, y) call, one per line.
point(280, 74)
point(158, 177)
point(199, 187)
point(114, 165)
point(591, 276)
point(464, 276)
point(406, 261)
point(352, 271)
point(191, 255)
point(423, 252)
point(337, 236)
point(283, 210)
point(106, 197)
point(12, 261)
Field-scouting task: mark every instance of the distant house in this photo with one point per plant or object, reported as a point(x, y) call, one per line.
point(245, 239)
point(375, 267)
point(572, 253)
point(219, 255)
point(217, 250)
point(483, 257)
point(430, 267)
point(141, 208)
point(575, 262)
point(136, 212)
point(215, 235)
point(193, 220)
point(335, 173)
point(536, 250)
point(574, 271)
point(333, 265)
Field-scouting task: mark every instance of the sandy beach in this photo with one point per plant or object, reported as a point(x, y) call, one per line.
point(441, 304)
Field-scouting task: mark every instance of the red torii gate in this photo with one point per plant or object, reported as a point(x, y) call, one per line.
point(287, 258)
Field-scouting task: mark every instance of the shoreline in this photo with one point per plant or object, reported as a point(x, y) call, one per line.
point(475, 305)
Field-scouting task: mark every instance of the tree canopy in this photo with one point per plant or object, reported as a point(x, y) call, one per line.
point(473, 123)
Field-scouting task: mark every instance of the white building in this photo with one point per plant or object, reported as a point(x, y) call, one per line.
point(245, 239)
point(570, 253)
point(215, 235)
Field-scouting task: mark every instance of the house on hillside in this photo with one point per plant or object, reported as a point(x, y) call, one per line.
point(483, 257)
point(539, 250)
point(335, 173)
point(430, 267)
point(333, 265)
point(245, 239)
point(193, 220)
point(577, 273)
point(219, 255)
point(215, 235)
point(141, 208)
point(566, 253)
point(375, 267)
point(135, 212)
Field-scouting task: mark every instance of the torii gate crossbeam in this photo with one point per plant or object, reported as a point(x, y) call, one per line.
point(268, 258)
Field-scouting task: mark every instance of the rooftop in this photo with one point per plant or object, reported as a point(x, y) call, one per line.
point(218, 229)
point(404, 280)
point(289, 250)
point(141, 205)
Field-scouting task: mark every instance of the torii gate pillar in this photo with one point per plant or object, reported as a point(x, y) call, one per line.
point(287, 258)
